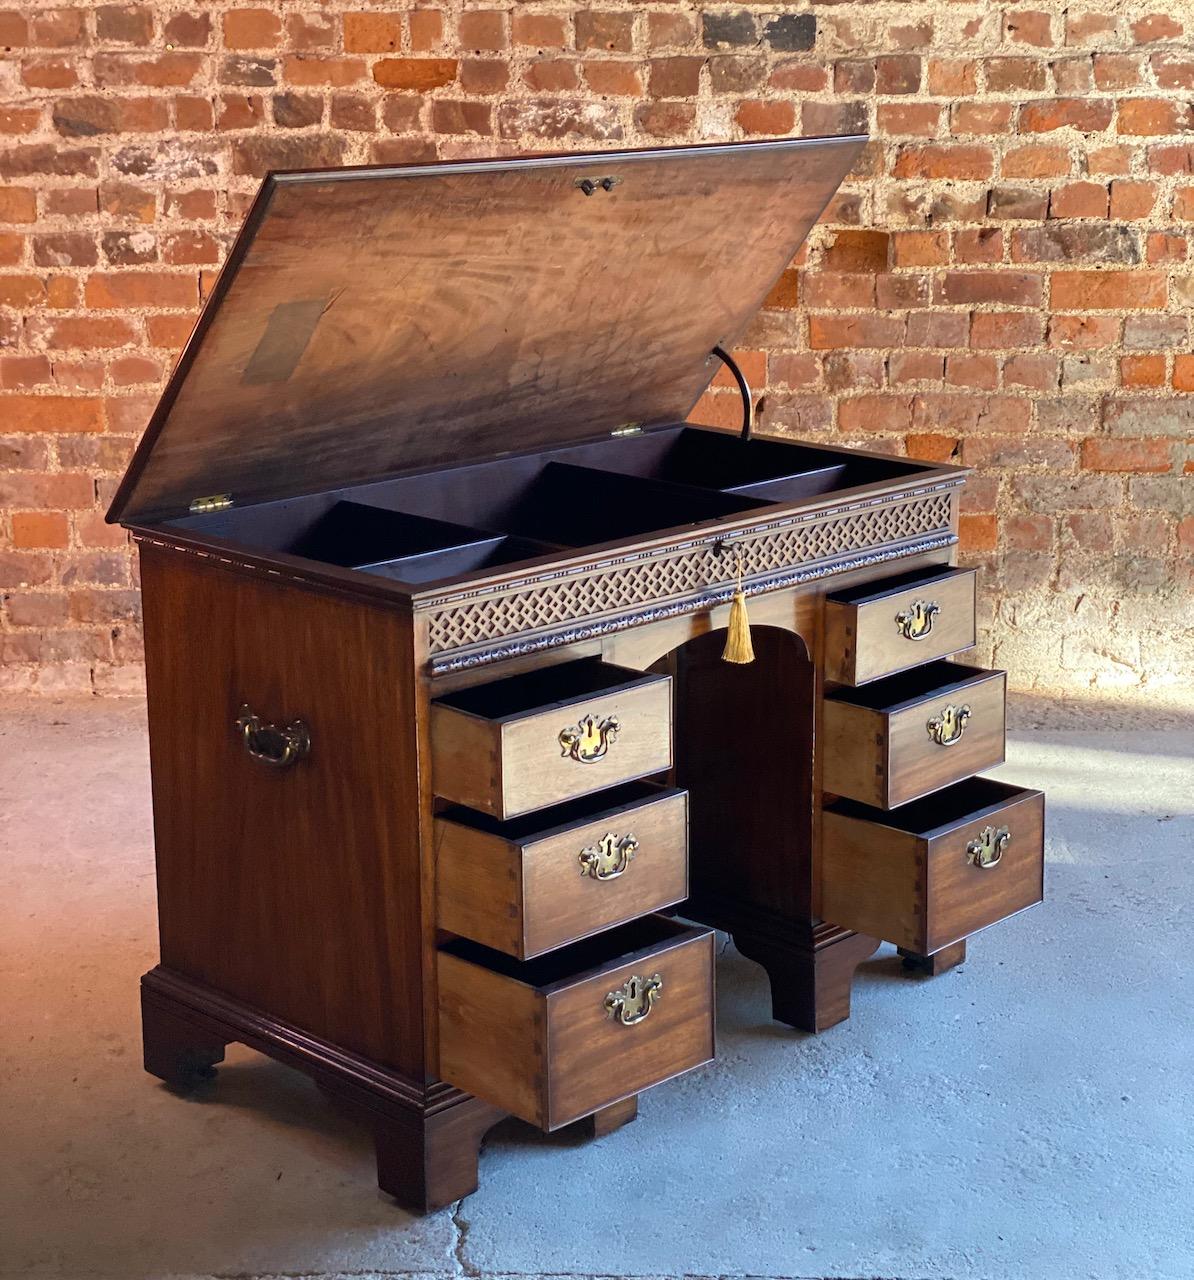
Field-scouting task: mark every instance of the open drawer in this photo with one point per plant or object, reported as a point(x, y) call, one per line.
point(527, 886)
point(538, 739)
point(937, 870)
point(555, 1039)
point(882, 627)
point(898, 739)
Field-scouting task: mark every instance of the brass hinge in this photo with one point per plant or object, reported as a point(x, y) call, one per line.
point(215, 502)
point(630, 429)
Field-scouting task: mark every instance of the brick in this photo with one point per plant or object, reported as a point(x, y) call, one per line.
point(830, 290)
point(934, 160)
point(1000, 330)
point(39, 529)
point(857, 251)
point(828, 118)
point(1142, 371)
point(791, 32)
point(785, 292)
point(1061, 242)
point(895, 74)
point(965, 414)
point(982, 118)
point(854, 75)
point(308, 69)
point(86, 333)
point(1028, 26)
point(932, 447)
point(188, 30)
point(484, 75)
point(855, 331)
point(1118, 70)
point(251, 29)
point(1073, 75)
point(1079, 200)
point(1014, 75)
point(1017, 203)
point(461, 116)
point(1167, 246)
point(919, 248)
point(675, 77)
point(1126, 455)
point(1108, 290)
point(1149, 116)
point(297, 110)
point(766, 117)
point(1132, 200)
point(1014, 288)
point(57, 28)
point(1173, 70)
point(1088, 115)
point(483, 30)
point(53, 413)
point(909, 119)
point(552, 75)
point(1084, 332)
point(937, 329)
point(540, 30)
point(49, 73)
point(1156, 26)
point(1153, 332)
point(978, 532)
point(418, 74)
point(611, 31)
point(1035, 161)
point(353, 112)
point(728, 30)
point(953, 77)
point(88, 116)
point(978, 245)
point(872, 413)
point(791, 369)
point(1134, 417)
point(17, 204)
point(977, 371)
point(669, 30)
point(853, 370)
point(558, 118)
point(1035, 372)
point(736, 75)
point(140, 289)
point(1183, 373)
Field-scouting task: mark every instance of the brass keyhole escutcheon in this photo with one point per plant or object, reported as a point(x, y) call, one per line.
point(634, 999)
point(609, 857)
point(947, 727)
point(916, 621)
point(987, 849)
point(589, 739)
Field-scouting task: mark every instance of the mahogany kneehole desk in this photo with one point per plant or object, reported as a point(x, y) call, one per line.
point(450, 778)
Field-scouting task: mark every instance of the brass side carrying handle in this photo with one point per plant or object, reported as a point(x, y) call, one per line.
point(916, 621)
point(634, 1000)
point(986, 850)
point(589, 738)
point(947, 727)
point(271, 744)
point(609, 857)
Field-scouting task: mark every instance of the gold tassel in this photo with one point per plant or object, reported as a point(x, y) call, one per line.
point(738, 645)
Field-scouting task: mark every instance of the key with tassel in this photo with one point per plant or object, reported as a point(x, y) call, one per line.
point(739, 648)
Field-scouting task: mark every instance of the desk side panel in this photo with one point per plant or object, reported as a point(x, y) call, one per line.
point(297, 889)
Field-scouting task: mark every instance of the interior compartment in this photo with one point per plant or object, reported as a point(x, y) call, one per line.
point(578, 506)
point(910, 687)
point(437, 525)
point(962, 802)
point(613, 948)
point(534, 690)
point(591, 808)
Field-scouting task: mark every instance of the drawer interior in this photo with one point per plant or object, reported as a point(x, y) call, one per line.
point(559, 817)
point(613, 949)
point(934, 679)
point(534, 691)
point(963, 802)
point(915, 579)
point(459, 521)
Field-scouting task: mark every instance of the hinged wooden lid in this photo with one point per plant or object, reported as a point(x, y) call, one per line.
point(375, 321)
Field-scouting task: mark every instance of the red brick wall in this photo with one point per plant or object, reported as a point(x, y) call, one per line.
point(1005, 279)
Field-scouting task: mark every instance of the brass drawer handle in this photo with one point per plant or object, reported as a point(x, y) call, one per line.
point(589, 739)
point(634, 1000)
point(916, 621)
point(947, 728)
point(987, 849)
point(609, 857)
point(275, 746)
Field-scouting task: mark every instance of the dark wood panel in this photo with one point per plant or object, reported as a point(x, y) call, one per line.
point(496, 302)
point(293, 889)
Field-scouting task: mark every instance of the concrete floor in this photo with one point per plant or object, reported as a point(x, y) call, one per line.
point(1027, 1117)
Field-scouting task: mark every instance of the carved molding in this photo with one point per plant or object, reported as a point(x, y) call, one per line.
point(469, 628)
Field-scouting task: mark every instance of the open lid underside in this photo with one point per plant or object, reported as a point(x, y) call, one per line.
point(375, 321)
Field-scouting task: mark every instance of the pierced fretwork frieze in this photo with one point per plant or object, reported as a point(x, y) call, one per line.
point(559, 607)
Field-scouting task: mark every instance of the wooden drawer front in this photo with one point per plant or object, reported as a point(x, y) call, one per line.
point(917, 877)
point(549, 736)
point(912, 734)
point(897, 623)
point(545, 1039)
point(528, 886)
